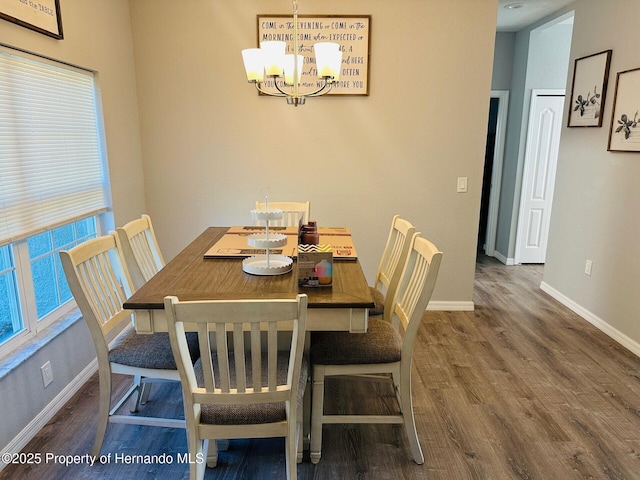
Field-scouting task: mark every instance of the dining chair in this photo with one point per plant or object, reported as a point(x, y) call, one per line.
point(384, 350)
point(245, 388)
point(393, 258)
point(292, 212)
point(100, 283)
point(140, 250)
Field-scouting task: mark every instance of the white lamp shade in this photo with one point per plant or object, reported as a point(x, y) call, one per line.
point(274, 53)
point(328, 59)
point(253, 64)
point(288, 69)
point(336, 65)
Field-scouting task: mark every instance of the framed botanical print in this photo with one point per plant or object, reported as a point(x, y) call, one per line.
point(624, 134)
point(589, 90)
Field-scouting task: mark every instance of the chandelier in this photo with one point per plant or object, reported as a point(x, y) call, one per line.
point(272, 61)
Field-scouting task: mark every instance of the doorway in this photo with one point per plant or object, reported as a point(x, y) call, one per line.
point(492, 176)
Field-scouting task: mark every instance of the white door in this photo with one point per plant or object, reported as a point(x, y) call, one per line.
point(540, 160)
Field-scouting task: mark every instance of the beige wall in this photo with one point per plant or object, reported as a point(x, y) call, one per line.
point(210, 144)
point(97, 36)
point(595, 209)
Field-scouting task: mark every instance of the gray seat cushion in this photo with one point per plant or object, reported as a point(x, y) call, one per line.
point(254, 413)
point(381, 344)
point(378, 300)
point(149, 351)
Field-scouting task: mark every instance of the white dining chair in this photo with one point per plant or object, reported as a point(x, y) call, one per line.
point(384, 350)
point(140, 250)
point(100, 283)
point(245, 387)
point(292, 212)
point(393, 259)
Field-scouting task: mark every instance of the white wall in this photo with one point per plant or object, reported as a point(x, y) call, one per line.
point(210, 143)
point(597, 196)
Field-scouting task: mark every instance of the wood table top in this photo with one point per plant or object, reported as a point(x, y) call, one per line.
point(190, 276)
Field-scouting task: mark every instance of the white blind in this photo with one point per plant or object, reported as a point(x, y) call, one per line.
point(51, 169)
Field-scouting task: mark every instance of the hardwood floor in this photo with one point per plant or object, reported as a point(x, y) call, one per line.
point(521, 388)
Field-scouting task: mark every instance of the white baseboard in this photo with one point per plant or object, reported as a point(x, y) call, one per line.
point(451, 306)
point(40, 420)
point(593, 319)
point(503, 259)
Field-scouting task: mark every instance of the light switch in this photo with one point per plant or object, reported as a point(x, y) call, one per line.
point(462, 184)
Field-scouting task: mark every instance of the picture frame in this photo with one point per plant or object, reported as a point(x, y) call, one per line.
point(624, 133)
point(351, 32)
point(589, 90)
point(42, 16)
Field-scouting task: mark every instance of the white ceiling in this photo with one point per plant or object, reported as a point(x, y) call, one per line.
point(514, 19)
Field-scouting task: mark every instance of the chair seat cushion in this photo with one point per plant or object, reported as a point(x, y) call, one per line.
point(378, 300)
point(381, 344)
point(256, 413)
point(148, 351)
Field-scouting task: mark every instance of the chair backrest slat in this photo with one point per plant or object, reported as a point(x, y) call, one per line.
point(222, 349)
point(256, 357)
point(140, 249)
point(100, 283)
point(239, 350)
point(272, 342)
point(393, 259)
point(144, 255)
point(415, 288)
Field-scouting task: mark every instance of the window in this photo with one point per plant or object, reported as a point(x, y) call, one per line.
point(53, 186)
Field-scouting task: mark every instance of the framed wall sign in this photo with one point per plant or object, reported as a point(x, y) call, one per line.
point(624, 133)
point(589, 89)
point(42, 16)
point(351, 32)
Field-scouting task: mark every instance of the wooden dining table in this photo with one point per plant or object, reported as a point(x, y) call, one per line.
point(190, 276)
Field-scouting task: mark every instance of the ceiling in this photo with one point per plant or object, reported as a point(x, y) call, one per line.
point(529, 12)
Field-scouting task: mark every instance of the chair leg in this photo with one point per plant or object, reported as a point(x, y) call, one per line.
point(317, 411)
point(104, 379)
point(409, 420)
point(291, 448)
point(145, 392)
point(299, 440)
point(137, 381)
point(210, 449)
point(197, 451)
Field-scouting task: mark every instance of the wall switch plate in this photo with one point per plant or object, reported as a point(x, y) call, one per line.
point(587, 267)
point(462, 184)
point(47, 373)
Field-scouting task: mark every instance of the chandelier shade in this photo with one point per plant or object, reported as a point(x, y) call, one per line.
point(272, 61)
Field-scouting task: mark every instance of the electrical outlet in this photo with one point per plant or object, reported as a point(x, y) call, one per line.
point(587, 267)
point(47, 373)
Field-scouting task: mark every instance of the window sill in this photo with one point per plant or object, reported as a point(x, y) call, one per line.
point(22, 353)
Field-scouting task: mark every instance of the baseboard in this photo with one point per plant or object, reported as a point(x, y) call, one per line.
point(451, 306)
point(40, 420)
point(593, 319)
point(503, 259)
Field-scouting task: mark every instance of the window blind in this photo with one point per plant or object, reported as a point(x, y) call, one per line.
point(51, 168)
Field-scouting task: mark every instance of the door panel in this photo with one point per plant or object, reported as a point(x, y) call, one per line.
point(541, 156)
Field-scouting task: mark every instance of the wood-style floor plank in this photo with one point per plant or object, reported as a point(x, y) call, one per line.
point(521, 388)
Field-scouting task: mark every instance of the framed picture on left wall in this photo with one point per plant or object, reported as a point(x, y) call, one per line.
point(42, 16)
point(589, 90)
point(624, 133)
